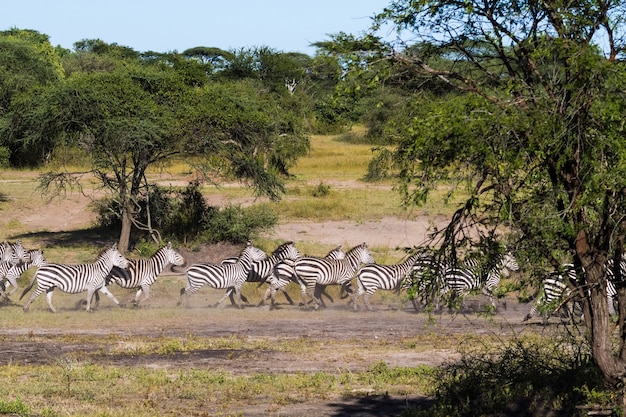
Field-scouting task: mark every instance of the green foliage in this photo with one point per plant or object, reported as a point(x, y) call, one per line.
point(381, 166)
point(321, 190)
point(184, 216)
point(14, 408)
point(237, 224)
point(530, 374)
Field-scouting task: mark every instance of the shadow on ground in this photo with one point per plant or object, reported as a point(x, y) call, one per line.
point(379, 405)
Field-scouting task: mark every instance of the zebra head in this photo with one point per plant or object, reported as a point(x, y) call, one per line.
point(173, 257)
point(114, 256)
point(508, 263)
point(36, 257)
point(287, 250)
point(20, 255)
point(6, 253)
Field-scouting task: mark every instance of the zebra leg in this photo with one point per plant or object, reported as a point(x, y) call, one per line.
point(355, 298)
point(289, 300)
point(310, 289)
point(145, 290)
point(32, 297)
point(106, 292)
point(238, 296)
point(49, 300)
point(366, 298)
point(229, 294)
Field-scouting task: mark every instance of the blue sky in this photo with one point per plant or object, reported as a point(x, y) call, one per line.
point(165, 26)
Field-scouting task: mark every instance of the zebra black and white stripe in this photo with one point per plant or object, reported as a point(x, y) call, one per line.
point(283, 273)
point(319, 271)
point(76, 278)
point(35, 258)
point(555, 292)
point(142, 273)
point(222, 276)
point(373, 277)
point(468, 276)
point(262, 270)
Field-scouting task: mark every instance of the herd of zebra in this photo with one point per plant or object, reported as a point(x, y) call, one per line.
point(285, 265)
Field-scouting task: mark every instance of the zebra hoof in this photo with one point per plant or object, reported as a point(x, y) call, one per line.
point(25, 308)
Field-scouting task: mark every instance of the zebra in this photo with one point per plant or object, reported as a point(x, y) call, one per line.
point(312, 271)
point(11, 253)
point(283, 273)
point(464, 278)
point(76, 278)
point(261, 270)
point(35, 258)
point(425, 283)
point(555, 289)
point(385, 277)
point(222, 276)
point(142, 273)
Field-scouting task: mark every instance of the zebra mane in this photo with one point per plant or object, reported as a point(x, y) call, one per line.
point(356, 248)
point(282, 248)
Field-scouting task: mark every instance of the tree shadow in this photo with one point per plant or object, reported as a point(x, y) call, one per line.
point(380, 406)
point(95, 236)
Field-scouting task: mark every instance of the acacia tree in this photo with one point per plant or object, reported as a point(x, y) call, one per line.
point(532, 125)
point(128, 115)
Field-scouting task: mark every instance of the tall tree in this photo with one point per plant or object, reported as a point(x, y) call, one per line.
point(533, 126)
point(128, 115)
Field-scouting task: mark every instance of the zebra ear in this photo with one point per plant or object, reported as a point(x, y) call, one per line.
point(169, 245)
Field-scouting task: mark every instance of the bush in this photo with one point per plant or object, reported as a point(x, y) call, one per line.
point(526, 376)
point(236, 224)
point(183, 215)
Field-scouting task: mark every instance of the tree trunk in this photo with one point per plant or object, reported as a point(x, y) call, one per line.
point(127, 224)
point(611, 366)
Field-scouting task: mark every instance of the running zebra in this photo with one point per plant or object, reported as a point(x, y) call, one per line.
point(222, 276)
point(313, 271)
point(12, 253)
point(262, 270)
point(555, 289)
point(385, 277)
point(555, 293)
point(35, 258)
point(142, 273)
point(283, 273)
point(468, 276)
point(76, 278)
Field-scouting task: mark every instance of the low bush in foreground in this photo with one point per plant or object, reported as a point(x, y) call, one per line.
point(523, 377)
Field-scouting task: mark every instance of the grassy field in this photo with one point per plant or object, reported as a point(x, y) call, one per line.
point(72, 372)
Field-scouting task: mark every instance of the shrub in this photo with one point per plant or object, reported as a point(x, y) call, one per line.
point(527, 376)
point(183, 215)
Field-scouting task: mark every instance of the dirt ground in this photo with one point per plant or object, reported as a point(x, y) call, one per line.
point(375, 336)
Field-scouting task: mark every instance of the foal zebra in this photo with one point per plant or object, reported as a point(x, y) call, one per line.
point(142, 273)
point(76, 278)
point(313, 271)
point(385, 277)
point(283, 273)
point(222, 276)
point(468, 276)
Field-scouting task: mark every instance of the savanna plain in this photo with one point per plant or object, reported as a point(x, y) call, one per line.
point(163, 359)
